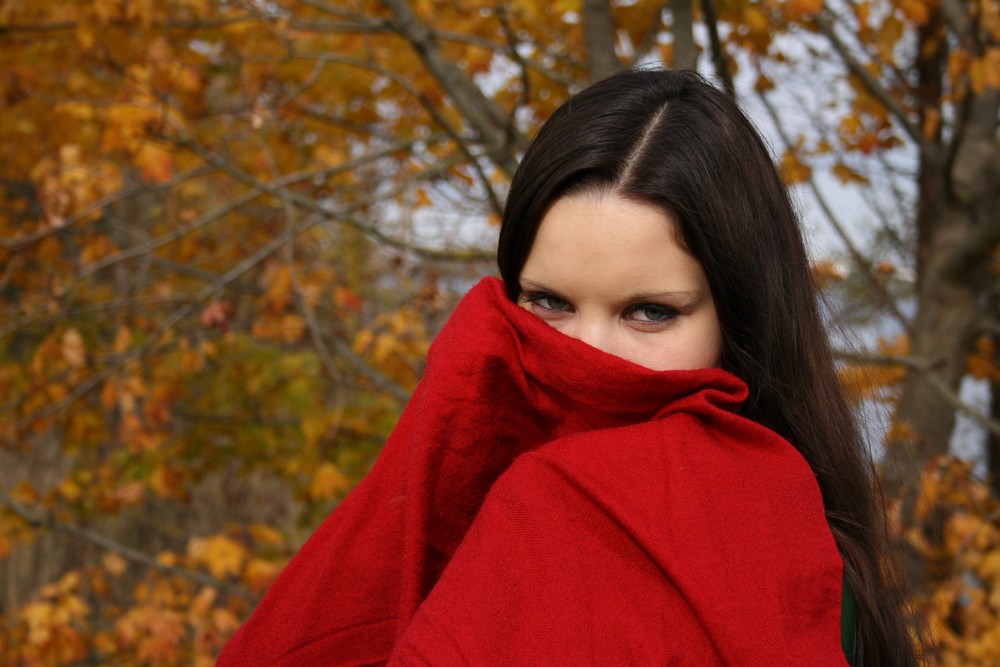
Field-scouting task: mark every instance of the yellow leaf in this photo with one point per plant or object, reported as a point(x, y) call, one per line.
point(794, 170)
point(86, 33)
point(826, 271)
point(363, 341)
point(156, 163)
point(799, 9)
point(989, 569)
point(168, 558)
point(889, 33)
point(292, 327)
point(327, 482)
point(985, 72)
point(899, 432)
point(114, 564)
point(982, 362)
point(69, 490)
point(224, 621)
point(123, 339)
point(263, 534)
point(847, 175)
point(24, 493)
point(202, 603)
point(70, 582)
point(916, 11)
point(347, 299)
point(38, 616)
point(260, 573)
point(107, 10)
point(755, 19)
point(222, 555)
point(73, 349)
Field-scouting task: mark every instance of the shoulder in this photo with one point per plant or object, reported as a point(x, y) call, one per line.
point(635, 536)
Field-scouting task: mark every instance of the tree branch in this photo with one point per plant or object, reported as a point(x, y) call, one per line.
point(873, 87)
point(856, 255)
point(19, 242)
point(344, 215)
point(939, 386)
point(91, 537)
point(68, 26)
point(958, 20)
point(718, 51)
point(488, 121)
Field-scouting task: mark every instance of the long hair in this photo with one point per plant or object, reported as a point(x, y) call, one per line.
point(671, 140)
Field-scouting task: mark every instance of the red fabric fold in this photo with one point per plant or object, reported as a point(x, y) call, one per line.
point(643, 522)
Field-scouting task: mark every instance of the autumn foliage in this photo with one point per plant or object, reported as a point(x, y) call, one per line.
point(229, 231)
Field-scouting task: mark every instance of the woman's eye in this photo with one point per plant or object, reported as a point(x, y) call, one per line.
point(548, 302)
point(651, 312)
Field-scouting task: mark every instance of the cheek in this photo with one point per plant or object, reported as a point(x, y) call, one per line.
point(697, 347)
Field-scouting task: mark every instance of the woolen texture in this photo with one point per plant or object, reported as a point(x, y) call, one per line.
point(543, 503)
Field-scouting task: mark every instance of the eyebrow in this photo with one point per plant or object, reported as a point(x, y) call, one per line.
point(693, 295)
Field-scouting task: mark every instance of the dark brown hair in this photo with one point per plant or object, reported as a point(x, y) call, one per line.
point(672, 140)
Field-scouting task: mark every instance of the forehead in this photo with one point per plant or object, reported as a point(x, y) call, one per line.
point(585, 239)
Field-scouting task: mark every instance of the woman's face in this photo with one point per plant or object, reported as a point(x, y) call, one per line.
point(609, 271)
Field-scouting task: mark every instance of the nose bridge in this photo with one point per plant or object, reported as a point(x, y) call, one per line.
point(594, 331)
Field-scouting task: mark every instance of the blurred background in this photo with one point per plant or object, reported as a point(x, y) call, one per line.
point(230, 229)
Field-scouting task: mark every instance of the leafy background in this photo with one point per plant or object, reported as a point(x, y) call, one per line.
point(229, 230)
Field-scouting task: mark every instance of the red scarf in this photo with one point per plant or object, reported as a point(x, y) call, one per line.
point(642, 522)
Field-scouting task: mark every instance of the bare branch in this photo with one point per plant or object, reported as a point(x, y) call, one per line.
point(18, 242)
point(718, 50)
point(874, 88)
point(237, 202)
point(939, 386)
point(483, 115)
point(303, 304)
point(958, 20)
point(857, 256)
point(88, 384)
point(48, 521)
point(344, 215)
point(69, 26)
point(529, 63)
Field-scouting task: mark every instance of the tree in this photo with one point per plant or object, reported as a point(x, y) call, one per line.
point(228, 232)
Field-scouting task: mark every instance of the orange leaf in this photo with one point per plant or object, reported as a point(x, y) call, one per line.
point(328, 482)
point(73, 349)
point(114, 564)
point(348, 300)
point(222, 555)
point(263, 534)
point(156, 163)
point(794, 170)
point(260, 573)
point(847, 175)
point(982, 363)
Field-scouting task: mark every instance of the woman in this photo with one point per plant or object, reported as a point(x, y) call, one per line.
point(633, 451)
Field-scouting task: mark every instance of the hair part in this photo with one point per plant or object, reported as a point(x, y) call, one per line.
point(671, 140)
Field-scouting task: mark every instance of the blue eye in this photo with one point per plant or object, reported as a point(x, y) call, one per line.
point(651, 313)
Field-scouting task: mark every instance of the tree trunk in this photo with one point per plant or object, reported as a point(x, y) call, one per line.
point(685, 54)
point(600, 37)
point(958, 227)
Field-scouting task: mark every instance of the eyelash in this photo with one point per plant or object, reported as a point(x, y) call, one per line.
point(535, 298)
point(669, 314)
